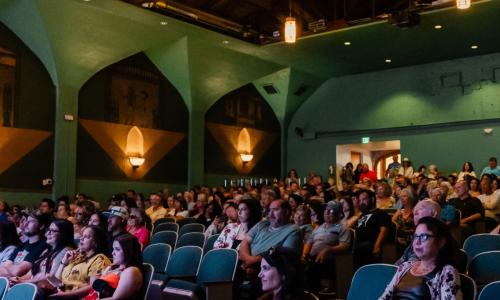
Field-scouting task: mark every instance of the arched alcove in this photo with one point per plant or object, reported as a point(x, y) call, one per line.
point(240, 126)
point(27, 109)
point(131, 93)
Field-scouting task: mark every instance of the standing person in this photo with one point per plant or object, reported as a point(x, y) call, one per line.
point(25, 256)
point(406, 169)
point(433, 276)
point(367, 173)
point(357, 173)
point(467, 170)
point(492, 167)
point(393, 167)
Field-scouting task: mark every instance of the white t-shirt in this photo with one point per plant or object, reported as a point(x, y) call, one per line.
point(491, 205)
point(5, 254)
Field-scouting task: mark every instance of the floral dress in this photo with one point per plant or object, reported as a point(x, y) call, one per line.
point(227, 237)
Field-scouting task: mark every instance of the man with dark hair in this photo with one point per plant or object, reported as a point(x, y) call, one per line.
point(267, 196)
point(23, 258)
point(492, 167)
point(47, 207)
point(373, 227)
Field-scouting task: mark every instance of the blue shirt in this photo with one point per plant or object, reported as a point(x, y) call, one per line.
point(494, 171)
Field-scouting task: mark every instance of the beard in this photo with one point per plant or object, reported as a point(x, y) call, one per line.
point(364, 208)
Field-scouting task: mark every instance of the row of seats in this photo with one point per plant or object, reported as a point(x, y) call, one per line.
point(379, 276)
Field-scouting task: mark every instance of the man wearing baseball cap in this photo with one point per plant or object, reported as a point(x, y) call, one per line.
point(117, 220)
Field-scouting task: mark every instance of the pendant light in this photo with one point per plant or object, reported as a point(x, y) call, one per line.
point(290, 26)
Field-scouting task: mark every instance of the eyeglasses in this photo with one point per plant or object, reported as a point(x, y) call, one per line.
point(422, 237)
point(132, 217)
point(52, 231)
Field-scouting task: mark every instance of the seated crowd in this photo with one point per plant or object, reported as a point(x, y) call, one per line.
point(287, 235)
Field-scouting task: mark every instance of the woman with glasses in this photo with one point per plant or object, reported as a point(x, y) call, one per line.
point(137, 225)
point(433, 276)
point(60, 239)
point(78, 266)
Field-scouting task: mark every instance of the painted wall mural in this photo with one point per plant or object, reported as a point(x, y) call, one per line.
point(243, 135)
point(134, 123)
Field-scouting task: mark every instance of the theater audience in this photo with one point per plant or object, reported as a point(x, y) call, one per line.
point(490, 201)
point(474, 187)
point(471, 208)
point(404, 219)
point(181, 208)
point(406, 168)
point(384, 196)
point(24, 257)
point(302, 218)
point(433, 275)
point(156, 211)
point(492, 167)
point(122, 279)
point(99, 220)
point(467, 170)
point(117, 221)
point(78, 266)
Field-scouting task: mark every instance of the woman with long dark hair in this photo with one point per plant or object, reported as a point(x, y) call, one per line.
point(248, 215)
point(122, 279)
point(9, 240)
point(433, 276)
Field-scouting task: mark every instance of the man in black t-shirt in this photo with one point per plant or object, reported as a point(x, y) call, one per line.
point(23, 258)
point(373, 227)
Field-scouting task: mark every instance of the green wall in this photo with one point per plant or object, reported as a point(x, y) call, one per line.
point(437, 116)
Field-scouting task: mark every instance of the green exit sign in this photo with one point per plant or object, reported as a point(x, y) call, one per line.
point(365, 139)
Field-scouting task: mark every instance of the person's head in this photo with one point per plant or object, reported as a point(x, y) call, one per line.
point(60, 234)
point(266, 197)
point(349, 166)
point(452, 179)
point(8, 235)
point(94, 239)
point(293, 173)
point(486, 184)
point(333, 212)
point(347, 206)
point(63, 211)
point(384, 190)
point(473, 184)
point(365, 168)
point(137, 218)
point(98, 219)
point(302, 215)
point(494, 183)
point(155, 199)
point(436, 194)
point(127, 251)
point(462, 189)
point(278, 271)
point(395, 158)
point(47, 206)
point(295, 200)
point(433, 169)
point(230, 209)
point(34, 226)
point(180, 204)
point(279, 213)
point(213, 209)
point(406, 162)
point(84, 209)
point(128, 203)
point(426, 208)
point(366, 200)
point(467, 167)
point(433, 241)
point(249, 211)
point(117, 218)
point(407, 197)
point(131, 193)
point(492, 162)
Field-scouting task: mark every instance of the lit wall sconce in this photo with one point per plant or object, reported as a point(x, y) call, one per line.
point(136, 161)
point(246, 157)
point(463, 4)
point(488, 131)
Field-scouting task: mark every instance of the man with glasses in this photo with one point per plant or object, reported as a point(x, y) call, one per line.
point(23, 258)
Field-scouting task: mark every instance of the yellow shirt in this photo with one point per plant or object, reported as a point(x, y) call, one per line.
point(76, 275)
point(156, 214)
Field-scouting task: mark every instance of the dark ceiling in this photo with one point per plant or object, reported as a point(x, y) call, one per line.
point(261, 21)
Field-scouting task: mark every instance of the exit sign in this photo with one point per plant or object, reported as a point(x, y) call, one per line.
point(365, 139)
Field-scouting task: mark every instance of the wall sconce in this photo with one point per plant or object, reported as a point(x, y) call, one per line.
point(246, 157)
point(488, 131)
point(136, 161)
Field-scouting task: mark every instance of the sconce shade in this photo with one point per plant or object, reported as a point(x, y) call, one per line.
point(290, 30)
point(135, 147)
point(136, 161)
point(246, 157)
point(463, 4)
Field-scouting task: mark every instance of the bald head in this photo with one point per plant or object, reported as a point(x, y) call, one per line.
point(426, 208)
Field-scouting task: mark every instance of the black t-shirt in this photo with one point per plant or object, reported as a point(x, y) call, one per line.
point(369, 225)
point(28, 252)
point(468, 206)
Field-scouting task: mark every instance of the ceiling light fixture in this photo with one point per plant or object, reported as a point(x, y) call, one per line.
point(463, 4)
point(163, 23)
point(347, 43)
point(225, 42)
point(474, 46)
point(290, 26)
point(388, 60)
point(437, 26)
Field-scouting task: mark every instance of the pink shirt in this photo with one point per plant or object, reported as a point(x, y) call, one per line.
point(142, 234)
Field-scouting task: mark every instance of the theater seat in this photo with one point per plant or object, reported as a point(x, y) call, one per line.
point(370, 281)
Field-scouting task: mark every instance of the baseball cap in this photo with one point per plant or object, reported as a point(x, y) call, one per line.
point(117, 211)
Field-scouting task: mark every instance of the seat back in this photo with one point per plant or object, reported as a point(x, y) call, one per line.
point(218, 265)
point(165, 237)
point(193, 227)
point(490, 291)
point(184, 262)
point(369, 281)
point(344, 268)
point(209, 244)
point(485, 268)
point(157, 255)
point(191, 239)
point(21, 291)
point(166, 227)
point(469, 288)
point(479, 243)
point(4, 283)
point(147, 276)
point(164, 220)
point(188, 220)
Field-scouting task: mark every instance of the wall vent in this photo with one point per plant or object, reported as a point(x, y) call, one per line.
point(270, 89)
